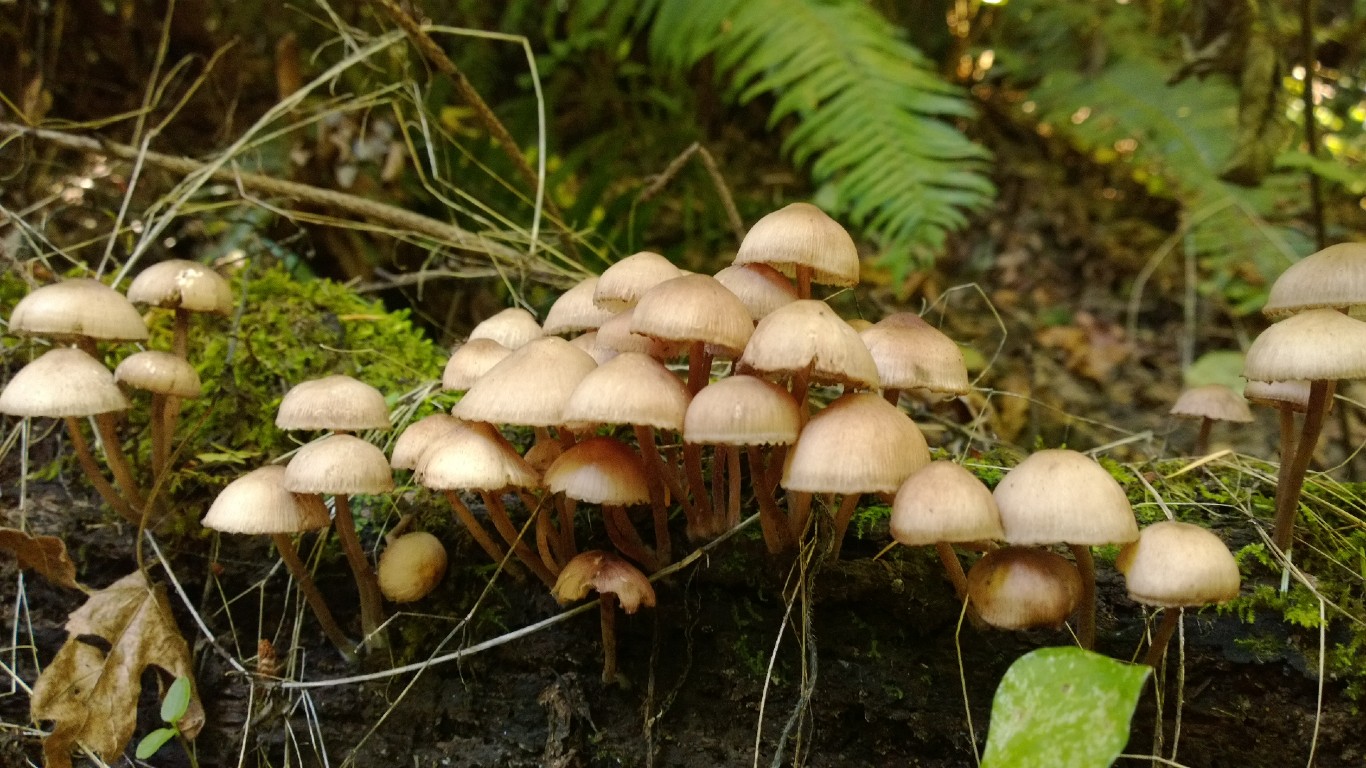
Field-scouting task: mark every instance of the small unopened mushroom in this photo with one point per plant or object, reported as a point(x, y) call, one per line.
point(1024, 588)
point(411, 567)
point(617, 582)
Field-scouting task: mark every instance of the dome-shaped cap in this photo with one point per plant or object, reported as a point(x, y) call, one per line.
point(258, 502)
point(759, 287)
point(1061, 496)
point(575, 311)
point(1276, 393)
point(860, 443)
point(419, 436)
point(694, 308)
point(616, 336)
point(1021, 588)
point(1332, 277)
point(944, 502)
point(78, 307)
point(622, 284)
point(182, 284)
point(1316, 344)
point(62, 382)
point(470, 361)
point(600, 470)
point(604, 573)
point(513, 327)
point(411, 566)
point(159, 372)
point(631, 388)
point(1175, 564)
point(336, 402)
point(477, 459)
point(339, 464)
point(742, 410)
point(809, 333)
point(529, 387)
point(1212, 401)
point(912, 354)
point(802, 234)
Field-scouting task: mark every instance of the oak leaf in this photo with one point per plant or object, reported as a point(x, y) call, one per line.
point(90, 690)
point(44, 554)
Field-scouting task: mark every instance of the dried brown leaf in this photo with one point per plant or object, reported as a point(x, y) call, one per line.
point(90, 690)
point(44, 554)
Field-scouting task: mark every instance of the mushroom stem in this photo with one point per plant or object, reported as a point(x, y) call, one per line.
point(1292, 483)
point(845, 514)
point(566, 508)
point(371, 602)
point(892, 395)
point(803, 281)
point(655, 476)
point(161, 443)
point(498, 514)
point(546, 540)
point(699, 367)
point(118, 462)
point(625, 538)
point(1086, 624)
point(770, 517)
point(290, 555)
point(1202, 437)
point(719, 469)
point(607, 617)
point(92, 470)
point(733, 502)
point(477, 531)
point(1171, 618)
point(701, 524)
point(953, 568)
point(801, 385)
point(798, 514)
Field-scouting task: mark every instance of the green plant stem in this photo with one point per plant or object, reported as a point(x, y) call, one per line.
point(1086, 621)
point(290, 555)
point(1171, 618)
point(92, 471)
point(1292, 483)
point(367, 585)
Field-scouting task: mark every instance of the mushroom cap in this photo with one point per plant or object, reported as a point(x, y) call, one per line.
point(942, 501)
point(471, 360)
point(1332, 277)
point(513, 327)
point(694, 308)
point(1062, 496)
point(910, 353)
point(600, 470)
point(339, 464)
point(759, 287)
point(615, 336)
point(1023, 588)
point(742, 410)
point(476, 458)
point(621, 285)
point(801, 234)
point(419, 436)
point(258, 502)
point(61, 382)
point(806, 333)
point(1316, 344)
point(631, 388)
point(1212, 401)
point(182, 284)
point(78, 307)
point(588, 342)
point(1175, 564)
point(575, 311)
point(411, 566)
point(604, 573)
point(529, 387)
point(1276, 393)
point(336, 402)
point(159, 372)
point(859, 443)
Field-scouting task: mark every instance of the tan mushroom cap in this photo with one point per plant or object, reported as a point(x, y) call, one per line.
point(159, 372)
point(529, 387)
point(575, 311)
point(942, 501)
point(258, 502)
point(1316, 344)
point(694, 308)
point(419, 436)
point(604, 573)
point(631, 388)
point(182, 284)
point(759, 287)
point(588, 342)
point(912, 354)
point(62, 382)
point(1175, 564)
point(600, 470)
point(513, 328)
point(1021, 588)
point(1213, 401)
point(805, 333)
point(337, 402)
point(1061, 496)
point(339, 464)
point(621, 285)
point(1277, 393)
point(1332, 277)
point(411, 566)
point(802, 234)
point(615, 336)
point(470, 361)
point(859, 443)
point(477, 459)
point(742, 410)
point(78, 307)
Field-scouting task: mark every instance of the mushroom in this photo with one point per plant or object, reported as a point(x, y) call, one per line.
point(603, 470)
point(512, 327)
point(944, 504)
point(574, 311)
point(912, 354)
point(617, 582)
point(1024, 588)
point(185, 287)
point(759, 287)
point(802, 241)
point(621, 285)
point(1211, 403)
point(169, 378)
point(411, 566)
point(471, 360)
point(338, 403)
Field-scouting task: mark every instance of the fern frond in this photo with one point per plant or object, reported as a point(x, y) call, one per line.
point(872, 116)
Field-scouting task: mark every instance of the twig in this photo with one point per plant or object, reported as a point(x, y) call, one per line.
point(737, 225)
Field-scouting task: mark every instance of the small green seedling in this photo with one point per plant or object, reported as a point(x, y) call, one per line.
point(1063, 707)
point(173, 708)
